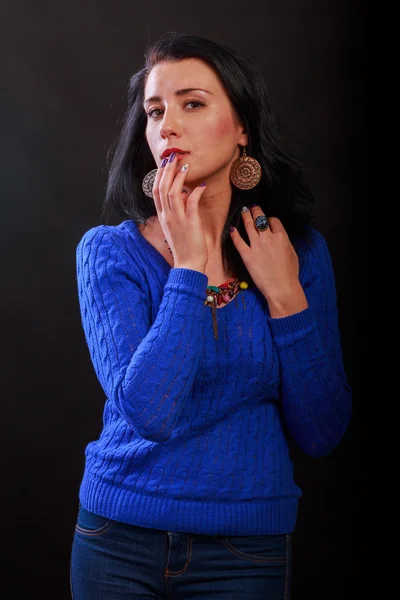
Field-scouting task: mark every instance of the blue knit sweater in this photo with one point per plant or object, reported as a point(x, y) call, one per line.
point(194, 429)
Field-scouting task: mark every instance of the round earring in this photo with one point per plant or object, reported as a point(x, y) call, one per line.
point(148, 181)
point(245, 172)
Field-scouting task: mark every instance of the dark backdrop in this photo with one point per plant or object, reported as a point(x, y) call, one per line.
point(64, 72)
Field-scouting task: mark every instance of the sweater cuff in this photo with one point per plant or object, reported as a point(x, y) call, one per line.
point(287, 330)
point(193, 283)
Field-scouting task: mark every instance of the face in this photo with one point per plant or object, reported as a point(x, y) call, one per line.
point(188, 109)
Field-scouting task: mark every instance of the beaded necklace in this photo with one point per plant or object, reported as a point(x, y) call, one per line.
point(222, 293)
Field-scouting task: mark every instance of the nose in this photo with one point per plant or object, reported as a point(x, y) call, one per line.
point(170, 125)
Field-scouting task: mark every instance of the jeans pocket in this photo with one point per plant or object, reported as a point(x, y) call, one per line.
point(90, 524)
point(258, 548)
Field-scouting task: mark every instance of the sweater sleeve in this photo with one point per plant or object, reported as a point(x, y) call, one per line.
point(146, 369)
point(316, 396)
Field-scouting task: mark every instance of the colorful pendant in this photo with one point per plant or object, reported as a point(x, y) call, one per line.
point(223, 293)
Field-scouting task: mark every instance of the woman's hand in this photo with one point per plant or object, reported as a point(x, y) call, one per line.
point(179, 218)
point(272, 263)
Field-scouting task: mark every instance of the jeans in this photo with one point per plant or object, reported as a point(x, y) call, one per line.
point(115, 561)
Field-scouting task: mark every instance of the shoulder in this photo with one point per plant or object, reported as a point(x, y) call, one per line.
point(314, 255)
point(101, 238)
point(311, 244)
point(110, 252)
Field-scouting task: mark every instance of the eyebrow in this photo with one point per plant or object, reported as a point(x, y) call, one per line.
point(177, 93)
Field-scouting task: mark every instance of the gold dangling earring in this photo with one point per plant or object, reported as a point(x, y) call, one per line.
point(245, 172)
point(148, 181)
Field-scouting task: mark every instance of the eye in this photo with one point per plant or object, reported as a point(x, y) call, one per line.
point(195, 102)
point(153, 114)
point(150, 112)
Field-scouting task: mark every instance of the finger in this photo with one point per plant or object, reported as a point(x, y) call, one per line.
point(257, 211)
point(176, 189)
point(192, 202)
point(167, 177)
point(239, 243)
point(248, 220)
point(156, 183)
point(275, 225)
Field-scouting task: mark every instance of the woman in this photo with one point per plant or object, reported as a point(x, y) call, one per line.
point(210, 315)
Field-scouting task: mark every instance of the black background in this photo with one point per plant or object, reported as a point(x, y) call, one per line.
point(64, 73)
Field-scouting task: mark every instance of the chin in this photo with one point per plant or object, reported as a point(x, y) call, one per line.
point(192, 181)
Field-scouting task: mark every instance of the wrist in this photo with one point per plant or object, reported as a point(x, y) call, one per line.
point(288, 303)
point(191, 266)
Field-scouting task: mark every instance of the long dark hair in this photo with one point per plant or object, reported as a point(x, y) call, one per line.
point(281, 192)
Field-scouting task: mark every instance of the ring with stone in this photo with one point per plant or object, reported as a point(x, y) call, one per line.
point(261, 222)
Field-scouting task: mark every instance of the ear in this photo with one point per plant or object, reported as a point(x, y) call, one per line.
point(243, 138)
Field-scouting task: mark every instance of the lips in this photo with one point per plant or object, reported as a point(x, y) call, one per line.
point(169, 151)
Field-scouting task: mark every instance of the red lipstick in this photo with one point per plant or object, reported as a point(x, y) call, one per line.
point(169, 151)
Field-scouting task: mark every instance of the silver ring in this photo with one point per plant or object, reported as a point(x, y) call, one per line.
point(261, 223)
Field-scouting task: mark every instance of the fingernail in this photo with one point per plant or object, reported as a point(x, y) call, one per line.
point(245, 209)
point(231, 228)
point(164, 162)
point(185, 166)
point(171, 158)
point(253, 205)
point(202, 184)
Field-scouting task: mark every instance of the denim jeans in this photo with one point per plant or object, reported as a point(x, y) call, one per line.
point(114, 561)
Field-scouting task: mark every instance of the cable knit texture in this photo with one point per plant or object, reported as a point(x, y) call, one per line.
point(194, 429)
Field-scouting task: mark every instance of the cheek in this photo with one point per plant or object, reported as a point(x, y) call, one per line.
point(219, 130)
point(150, 140)
point(147, 135)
